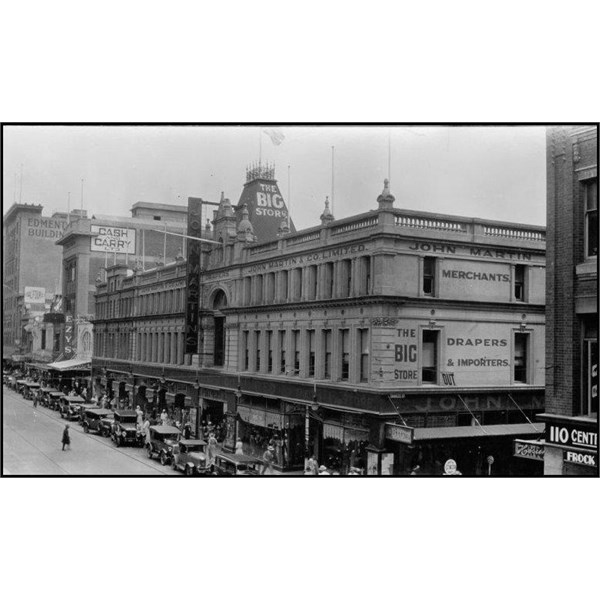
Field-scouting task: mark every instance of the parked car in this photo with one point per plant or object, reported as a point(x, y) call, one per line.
point(125, 430)
point(96, 419)
point(83, 407)
point(45, 397)
point(53, 400)
point(163, 441)
point(189, 457)
point(69, 407)
point(237, 464)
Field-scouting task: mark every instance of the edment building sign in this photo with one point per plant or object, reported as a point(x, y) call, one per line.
point(45, 228)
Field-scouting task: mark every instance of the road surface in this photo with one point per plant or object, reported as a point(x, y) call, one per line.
point(31, 441)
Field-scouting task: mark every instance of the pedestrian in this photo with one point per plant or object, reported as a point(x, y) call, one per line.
point(66, 439)
point(312, 466)
point(211, 449)
point(323, 470)
point(239, 447)
point(146, 430)
point(187, 430)
point(268, 461)
point(164, 417)
point(140, 415)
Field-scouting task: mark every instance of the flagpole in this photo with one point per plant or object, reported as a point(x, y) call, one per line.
point(332, 177)
point(289, 198)
point(82, 197)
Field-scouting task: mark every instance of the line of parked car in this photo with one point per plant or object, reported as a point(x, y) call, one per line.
point(165, 442)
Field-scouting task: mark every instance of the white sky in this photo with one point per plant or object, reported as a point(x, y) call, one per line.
point(489, 172)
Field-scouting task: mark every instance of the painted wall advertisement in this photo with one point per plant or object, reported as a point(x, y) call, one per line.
point(112, 239)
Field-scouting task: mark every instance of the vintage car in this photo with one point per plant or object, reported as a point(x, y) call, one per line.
point(125, 429)
point(98, 420)
point(53, 400)
point(29, 389)
point(69, 407)
point(45, 394)
point(163, 442)
point(237, 464)
point(190, 458)
point(85, 406)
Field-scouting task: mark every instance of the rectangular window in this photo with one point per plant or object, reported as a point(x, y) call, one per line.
point(346, 275)
point(429, 364)
point(345, 348)
point(327, 353)
point(296, 351)
point(312, 282)
point(590, 190)
point(590, 367)
point(257, 337)
point(328, 291)
point(258, 289)
point(245, 350)
point(520, 271)
point(429, 275)
point(311, 353)
point(43, 343)
point(283, 278)
point(247, 291)
point(363, 347)
point(297, 283)
point(269, 351)
point(282, 351)
point(270, 287)
point(520, 357)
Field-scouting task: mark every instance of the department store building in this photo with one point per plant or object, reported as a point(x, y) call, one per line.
point(378, 342)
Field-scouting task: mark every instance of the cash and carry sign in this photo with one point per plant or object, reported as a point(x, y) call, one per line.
point(112, 239)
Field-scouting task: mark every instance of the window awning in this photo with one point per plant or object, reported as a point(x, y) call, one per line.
point(70, 365)
point(441, 433)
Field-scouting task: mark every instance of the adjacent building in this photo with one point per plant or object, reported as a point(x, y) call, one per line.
point(571, 417)
point(382, 341)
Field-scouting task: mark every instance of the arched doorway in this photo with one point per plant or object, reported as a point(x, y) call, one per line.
point(219, 303)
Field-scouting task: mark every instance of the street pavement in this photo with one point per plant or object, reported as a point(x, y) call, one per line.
point(31, 442)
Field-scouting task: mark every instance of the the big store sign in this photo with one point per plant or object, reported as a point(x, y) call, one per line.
point(572, 436)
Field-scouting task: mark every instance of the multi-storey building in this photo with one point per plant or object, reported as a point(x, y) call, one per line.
point(31, 263)
point(571, 442)
point(380, 341)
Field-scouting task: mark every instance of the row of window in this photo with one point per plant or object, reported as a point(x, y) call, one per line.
point(341, 279)
point(168, 301)
point(153, 347)
point(324, 354)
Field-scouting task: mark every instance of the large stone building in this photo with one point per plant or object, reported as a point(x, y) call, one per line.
point(381, 341)
point(31, 277)
point(571, 442)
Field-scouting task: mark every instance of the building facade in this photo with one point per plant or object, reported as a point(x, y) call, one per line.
point(31, 277)
point(379, 342)
point(572, 302)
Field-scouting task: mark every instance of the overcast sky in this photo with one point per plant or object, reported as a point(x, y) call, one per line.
point(494, 172)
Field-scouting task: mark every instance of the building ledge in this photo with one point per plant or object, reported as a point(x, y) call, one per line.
point(589, 267)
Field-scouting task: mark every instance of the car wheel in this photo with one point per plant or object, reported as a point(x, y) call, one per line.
point(189, 471)
point(163, 459)
point(149, 452)
point(105, 433)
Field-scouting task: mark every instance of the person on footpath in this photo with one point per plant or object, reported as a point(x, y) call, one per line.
point(66, 439)
point(268, 457)
point(312, 466)
point(212, 449)
point(146, 431)
point(164, 417)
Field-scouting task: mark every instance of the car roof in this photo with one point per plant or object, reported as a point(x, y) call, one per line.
point(238, 458)
point(102, 412)
point(164, 429)
point(76, 399)
point(125, 413)
point(193, 442)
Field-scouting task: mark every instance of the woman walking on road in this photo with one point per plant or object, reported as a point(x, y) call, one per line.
point(66, 440)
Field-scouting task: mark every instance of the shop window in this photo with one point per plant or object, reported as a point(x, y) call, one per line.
point(282, 341)
point(429, 275)
point(311, 353)
point(429, 354)
point(269, 351)
point(520, 357)
point(590, 367)
point(590, 192)
point(327, 353)
point(257, 339)
point(520, 273)
point(296, 351)
point(345, 356)
point(363, 346)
